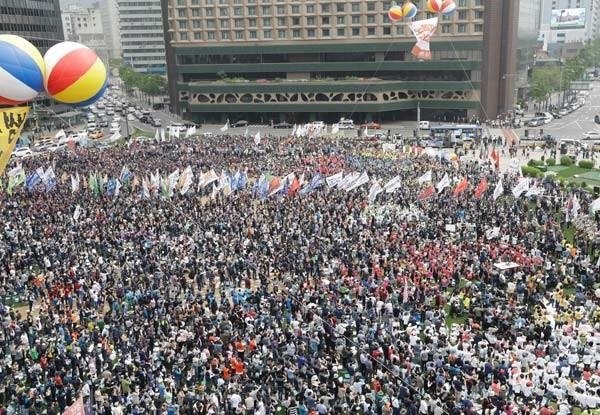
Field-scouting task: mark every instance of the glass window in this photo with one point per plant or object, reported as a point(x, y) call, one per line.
point(355, 19)
point(355, 7)
point(310, 8)
point(266, 21)
point(325, 8)
point(325, 20)
point(340, 20)
point(296, 9)
point(371, 6)
point(370, 31)
point(223, 11)
point(267, 34)
point(310, 33)
point(371, 18)
point(462, 28)
point(239, 35)
point(355, 31)
point(224, 35)
point(281, 34)
point(341, 31)
point(296, 33)
point(339, 7)
point(325, 32)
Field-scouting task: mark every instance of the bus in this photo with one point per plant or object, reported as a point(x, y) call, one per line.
point(455, 133)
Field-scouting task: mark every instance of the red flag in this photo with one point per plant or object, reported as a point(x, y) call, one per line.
point(427, 193)
point(481, 188)
point(76, 409)
point(495, 156)
point(294, 187)
point(461, 187)
point(275, 183)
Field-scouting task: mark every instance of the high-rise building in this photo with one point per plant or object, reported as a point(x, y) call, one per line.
point(324, 59)
point(567, 25)
point(142, 35)
point(37, 21)
point(109, 11)
point(84, 25)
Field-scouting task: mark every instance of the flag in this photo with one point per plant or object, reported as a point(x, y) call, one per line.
point(257, 138)
point(294, 130)
point(461, 187)
point(294, 186)
point(157, 136)
point(495, 156)
point(335, 128)
point(499, 190)
point(520, 187)
point(427, 193)
point(534, 191)
point(190, 131)
point(225, 127)
point(172, 180)
point(77, 213)
point(225, 183)
point(117, 187)
point(145, 189)
point(275, 185)
point(348, 180)
point(405, 290)
point(34, 179)
point(316, 181)
point(111, 185)
point(423, 31)
point(154, 182)
point(374, 191)
point(595, 206)
point(575, 206)
point(333, 180)
point(445, 182)
point(126, 175)
point(93, 184)
point(362, 179)
point(246, 133)
point(16, 177)
point(164, 188)
point(210, 177)
point(76, 409)
point(393, 184)
point(49, 179)
point(74, 183)
point(185, 180)
point(241, 184)
point(60, 135)
point(492, 233)
point(481, 188)
point(425, 178)
point(162, 134)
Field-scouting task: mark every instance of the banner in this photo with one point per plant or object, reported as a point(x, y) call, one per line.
point(76, 409)
point(423, 30)
point(11, 124)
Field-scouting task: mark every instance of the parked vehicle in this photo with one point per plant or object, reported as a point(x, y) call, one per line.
point(345, 124)
point(282, 125)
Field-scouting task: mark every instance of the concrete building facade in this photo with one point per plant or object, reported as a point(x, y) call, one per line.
point(568, 25)
point(37, 21)
point(109, 11)
point(142, 35)
point(84, 25)
point(323, 59)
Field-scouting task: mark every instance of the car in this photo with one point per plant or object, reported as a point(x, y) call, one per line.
point(372, 125)
point(345, 124)
point(42, 147)
point(592, 135)
point(282, 125)
point(22, 152)
point(116, 118)
point(145, 119)
point(95, 135)
point(92, 126)
point(177, 127)
point(563, 112)
point(103, 123)
point(423, 125)
point(240, 123)
point(597, 119)
point(114, 130)
point(555, 115)
point(130, 117)
point(157, 123)
point(536, 122)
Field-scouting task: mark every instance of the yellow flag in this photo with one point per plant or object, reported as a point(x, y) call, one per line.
point(11, 123)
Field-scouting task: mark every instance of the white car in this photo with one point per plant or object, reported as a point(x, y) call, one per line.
point(592, 135)
point(130, 117)
point(177, 127)
point(114, 130)
point(563, 112)
point(345, 124)
point(22, 152)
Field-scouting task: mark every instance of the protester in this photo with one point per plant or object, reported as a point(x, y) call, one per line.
point(310, 300)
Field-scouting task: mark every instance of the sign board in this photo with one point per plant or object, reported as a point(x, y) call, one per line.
point(568, 18)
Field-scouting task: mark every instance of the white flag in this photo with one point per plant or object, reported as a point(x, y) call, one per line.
point(595, 206)
point(294, 130)
point(157, 136)
point(445, 182)
point(333, 180)
point(257, 138)
point(172, 181)
point(393, 185)
point(499, 190)
point(348, 180)
point(77, 213)
point(60, 135)
point(492, 233)
point(176, 133)
point(534, 191)
point(335, 128)
point(520, 187)
point(145, 190)
point(362, 179)
point(575, 208)
point(74, 184)
point(374, 191)
point(225, 127)
point(190, 131)
point(425, 178)
point(162, 134)
point(246, 132)
point(186, 183)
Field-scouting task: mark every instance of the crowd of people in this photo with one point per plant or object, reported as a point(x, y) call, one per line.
point(316, 302)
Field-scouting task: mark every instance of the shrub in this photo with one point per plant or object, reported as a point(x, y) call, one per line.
point(586, 164)
point(566, 161)
point(551, 162)
point(535, 163)
point(583, 185)
point(531, 171)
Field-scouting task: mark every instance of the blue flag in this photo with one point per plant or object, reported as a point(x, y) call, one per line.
point(315, 182)
point(32, 181)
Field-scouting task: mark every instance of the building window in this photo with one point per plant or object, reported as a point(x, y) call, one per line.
point(295, 21)
point(223, 11)
point(310, 8)
point(341, 31)
point(224, 24)
point(183, 36)
point(478, 28)
point(253, 34)
point(281, 21)
point(355, 7)
point(238, 23)
point(296, 9)
point(210, 36)
point(239, 35)
point(355, 31)
point(267, 34)
point(339, 7)
point(238, 11)
point(387, 30)
point(325, 20)
point(371, 18)
point(252, 22)
point(266, 9)
point(310, 33)
point(224, 35)
point(462, 3)
point(196, 24)
point(182, 24)
point(197, 36)
point(266, 21)
point(400, 30)
point(325, 8)
point(310, 21)
point(355, 19)
point(371, 6)
point(341, 20)
point(462, 15)
point(325, 32)
point(445, 28)
point(370, 31)
point(462, 28)
point(281, 34)
point(251, 11)
point(296, 33)
point(280, 9)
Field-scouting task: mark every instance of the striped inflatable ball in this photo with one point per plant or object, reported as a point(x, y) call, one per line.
point(21, 70)
point(74, 74)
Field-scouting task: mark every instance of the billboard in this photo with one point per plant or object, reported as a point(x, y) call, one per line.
point(568, 18)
